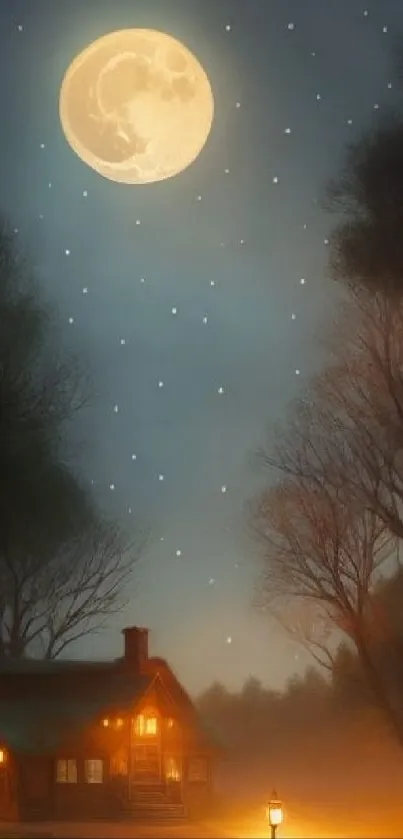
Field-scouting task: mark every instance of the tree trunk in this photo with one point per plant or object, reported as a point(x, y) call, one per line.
point(378, 689)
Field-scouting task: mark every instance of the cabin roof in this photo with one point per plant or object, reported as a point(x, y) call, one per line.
point(40, 722)
point(9, 666)
point(41, 701)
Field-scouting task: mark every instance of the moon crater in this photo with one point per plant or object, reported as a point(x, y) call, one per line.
point(136, 106)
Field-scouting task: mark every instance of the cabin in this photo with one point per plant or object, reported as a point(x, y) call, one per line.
point(113, 739)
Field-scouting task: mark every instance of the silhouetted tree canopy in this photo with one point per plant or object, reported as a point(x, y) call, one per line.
point(63, 566)
point(366, 246)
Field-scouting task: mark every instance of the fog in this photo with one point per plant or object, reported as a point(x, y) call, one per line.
point(322, 744)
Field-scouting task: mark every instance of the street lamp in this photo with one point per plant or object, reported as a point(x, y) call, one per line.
point(275, 814)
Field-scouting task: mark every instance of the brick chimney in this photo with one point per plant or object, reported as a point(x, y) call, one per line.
point(136, 647)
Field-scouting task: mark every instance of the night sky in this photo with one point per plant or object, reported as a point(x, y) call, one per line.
point(194, 302)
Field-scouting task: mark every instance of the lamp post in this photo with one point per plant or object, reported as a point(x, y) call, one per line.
point(275, 814)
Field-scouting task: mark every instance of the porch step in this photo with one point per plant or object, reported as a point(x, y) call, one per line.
point(175, 812)
point(152, 806)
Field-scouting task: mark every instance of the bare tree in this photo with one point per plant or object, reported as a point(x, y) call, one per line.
point(63, 567)
point(338, 514)
point(50, 604)
point(347, 431)
point(323, 552)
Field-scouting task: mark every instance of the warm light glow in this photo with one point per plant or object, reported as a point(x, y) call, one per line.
point(105, 722)
point(171, 722)
point(275, 813)
point(146, 726)
point(119, 722)
point(136, 106)
point(2, 756)
point(151, 725)
point(172, 772)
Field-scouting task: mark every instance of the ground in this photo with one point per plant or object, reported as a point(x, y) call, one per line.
point(108, 830)
point(300, 822)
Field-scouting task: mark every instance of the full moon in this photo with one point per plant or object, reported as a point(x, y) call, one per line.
point(136, 106)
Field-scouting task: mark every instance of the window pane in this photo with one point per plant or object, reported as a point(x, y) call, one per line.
point(94, 771)
point(140, 725)
point(151, 725)
point(72, 771)
point(61, 771)
point(145, 725)
point(66, 771)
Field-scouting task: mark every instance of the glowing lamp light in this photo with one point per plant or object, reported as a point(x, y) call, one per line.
point(275, 814)
point(2, 756)
point(105, 722)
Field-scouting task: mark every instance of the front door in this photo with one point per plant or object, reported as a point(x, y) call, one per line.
point(146, 764)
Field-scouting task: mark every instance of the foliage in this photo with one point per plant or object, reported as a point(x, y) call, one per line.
point(62, 565)
point(366, 245)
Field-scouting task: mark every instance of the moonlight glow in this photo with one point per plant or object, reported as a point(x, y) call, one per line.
point(136, 106)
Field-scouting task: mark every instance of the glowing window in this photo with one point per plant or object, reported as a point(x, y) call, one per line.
point(66, 771)
point(140, 725)
point(146, 725)
point(2, 756)
point(151, 725)
point(94, 771)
